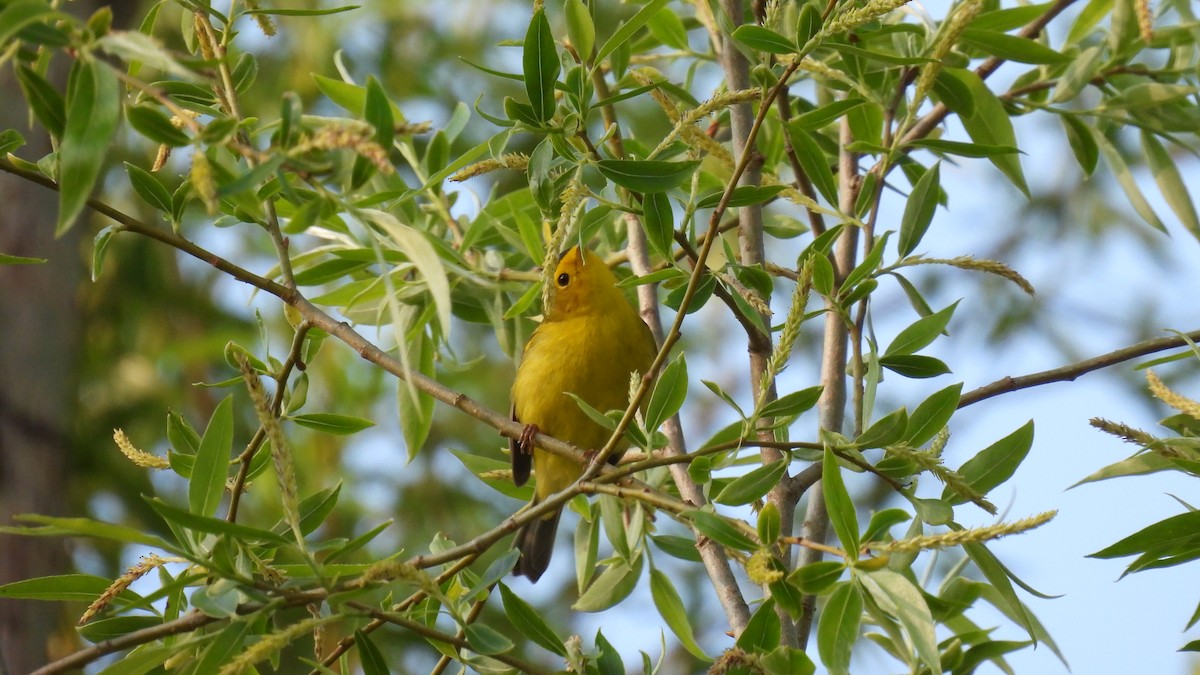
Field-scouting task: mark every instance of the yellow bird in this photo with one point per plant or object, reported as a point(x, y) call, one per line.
point(590, 342)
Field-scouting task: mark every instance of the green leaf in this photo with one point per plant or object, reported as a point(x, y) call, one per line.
point(369, 655)
point(18, 15)
point(919, 209)
point(961, 149)
point(923, 331)
point(914, 365)
point(670, 608)
point(753, 485)
point(763, 39)
point(486, 640)
point(529, 623)
point(211, 467)
point(841, 509)
point(1169, 538)
point(1079, 136)
point(932, 415)
point(669, 393)
point(994, 464)
point(93, 110)
point(117, 626)
point(668, 28)
point(581, 30)
point(1078, 75)
point(83, 527)
point(45, 102)
point(627, 29)
point(793, 403)
point(613, 585)
point(808, 24)
point(789, 659)
point(817, 577)
point(314, 509)
point(902, 598)
point(884, 520)
point(10, 140)
point(659, 222)
point(1138, 465)
point(1170, 182)
point(677, 547)
point(814, 162)
point(822, 116)
point(609, 661)
point(99, 249)
point(416, 407)
point(1116, 163)
point(647, 175)
point(743, 195)
point(227, 643)
point(149, 188)
point(332, 423)
point(191, 521)
point(150, 122)
point(73, 587)
point(838, 627)
point(987, 122)
point(719, 530)
point(6, 259)
point(541, 66)
point(885, 431)
point(769, 524)
point(763, 632)
point(1011, 47)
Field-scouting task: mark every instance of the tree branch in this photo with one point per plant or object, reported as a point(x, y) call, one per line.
point(1068, 373)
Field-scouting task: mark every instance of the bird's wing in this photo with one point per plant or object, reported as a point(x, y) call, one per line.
point(522, 458)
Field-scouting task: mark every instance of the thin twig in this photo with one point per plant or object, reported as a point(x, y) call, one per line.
point(1068, 373)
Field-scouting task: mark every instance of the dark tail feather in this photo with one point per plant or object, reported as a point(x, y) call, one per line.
point(535, 541)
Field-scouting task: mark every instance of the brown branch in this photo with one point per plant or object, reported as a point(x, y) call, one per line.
point(184, 624)
point(1068, 373)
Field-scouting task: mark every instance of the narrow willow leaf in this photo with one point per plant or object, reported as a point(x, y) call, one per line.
point(763, 632)
point(192, 521)
point(93, 110)
point(885, 431)
point(994, 464)
point(149, 188)
point(814, 162)
point(211, 467)
point(720, 531)
point(670, 607)
point(369, 656)
point(529, 623)
point(838, 628)
point(669, 393)
point(902, 598)
point(1138, 465)
point(6, 259)
point(627, 29)
point(753, 485)
point(647, 175)
point(919, 209)
point(581, 30)
point(613, 585)
point(487, 640)
point(44, 100)
point(659, 222)
point(763, 39)
point(920, 333)
point(73, 587)
point(1170, 182)
point(1012, 47)
point(541, 66)
point(932, 415)
point(817, 577)
point(1125, 178)
point(331, 423)
point(988, 122)
point(841, 508)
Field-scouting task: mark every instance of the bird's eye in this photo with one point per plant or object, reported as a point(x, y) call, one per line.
point(563, 280)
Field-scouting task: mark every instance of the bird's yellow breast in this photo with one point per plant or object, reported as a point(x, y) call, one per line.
point(590, 355)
